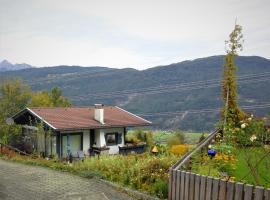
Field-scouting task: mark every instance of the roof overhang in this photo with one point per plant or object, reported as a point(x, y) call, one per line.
point(22, 112)
point(102, 127)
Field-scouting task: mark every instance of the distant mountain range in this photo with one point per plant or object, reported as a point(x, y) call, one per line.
point(7, 66)
point(183, 95)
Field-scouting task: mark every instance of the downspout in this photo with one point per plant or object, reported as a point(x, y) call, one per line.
point(60, 145)
point(45, 147)
point(125, 133)
point(51, 145)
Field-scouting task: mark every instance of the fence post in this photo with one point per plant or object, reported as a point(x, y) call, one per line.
point(267, 194)
point(182, 188)
point(259, 193)
point(239, 191)
point(209, 182)
point(174, 174)
point(187, 180)
point(170, 185)
point(222, 190)
point(248, 192)
point(215, 189)
point(230, 190)
point(178, 184)
point(191, 186)
point(203, 187)
point(197, 187)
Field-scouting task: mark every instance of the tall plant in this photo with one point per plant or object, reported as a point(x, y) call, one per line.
point(231, 113)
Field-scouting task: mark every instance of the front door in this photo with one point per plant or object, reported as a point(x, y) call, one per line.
point(71, 143)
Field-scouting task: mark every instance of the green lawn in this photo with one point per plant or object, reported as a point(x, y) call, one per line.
point(262, 169)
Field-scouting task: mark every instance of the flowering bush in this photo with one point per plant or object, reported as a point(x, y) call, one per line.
point(180, 149)
point(249, 132)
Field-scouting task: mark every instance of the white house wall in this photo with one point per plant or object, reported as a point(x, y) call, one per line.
point(86, 141)
point(113, 149)
point(100, 138)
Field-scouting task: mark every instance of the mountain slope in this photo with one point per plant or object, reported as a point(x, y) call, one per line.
point(185, 87)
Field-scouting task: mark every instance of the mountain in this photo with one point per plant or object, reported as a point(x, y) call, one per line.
point(182, 95)
point(7, 66)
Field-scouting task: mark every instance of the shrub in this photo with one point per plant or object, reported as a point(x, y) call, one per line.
point(180, 149)
point(177, 138)
point(140, 171)
point(160, 188)
point(140, 135)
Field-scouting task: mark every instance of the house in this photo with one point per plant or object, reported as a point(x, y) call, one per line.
point(74, 129)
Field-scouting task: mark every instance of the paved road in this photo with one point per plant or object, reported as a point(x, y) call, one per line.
point(23, 182)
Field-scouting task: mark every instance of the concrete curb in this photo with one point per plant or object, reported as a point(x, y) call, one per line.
point(133, 193)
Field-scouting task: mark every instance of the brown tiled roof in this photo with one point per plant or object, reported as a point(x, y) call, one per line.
point(83, 117)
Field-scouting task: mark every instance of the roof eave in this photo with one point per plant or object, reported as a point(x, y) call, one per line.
point(35, 114)
point(102, 127)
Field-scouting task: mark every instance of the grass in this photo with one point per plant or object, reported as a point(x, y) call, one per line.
point(164, 136)
point(192, 138)
point(255, 155)
point(241, 168)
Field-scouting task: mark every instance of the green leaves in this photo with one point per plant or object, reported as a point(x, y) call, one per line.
point(52, 98)
point(231, 113)
point(15, 95)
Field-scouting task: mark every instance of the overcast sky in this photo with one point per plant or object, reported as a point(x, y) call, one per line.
point(125, 33)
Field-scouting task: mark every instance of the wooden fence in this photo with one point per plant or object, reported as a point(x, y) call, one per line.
point(190, 186)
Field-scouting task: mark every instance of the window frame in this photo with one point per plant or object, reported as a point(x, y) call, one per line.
point(116, 138)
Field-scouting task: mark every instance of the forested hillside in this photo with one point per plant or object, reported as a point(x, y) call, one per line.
point(183, 95)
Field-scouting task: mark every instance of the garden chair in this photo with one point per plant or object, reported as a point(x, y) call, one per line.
point(81, 155)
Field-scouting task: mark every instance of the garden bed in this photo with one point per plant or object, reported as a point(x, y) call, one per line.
point(247, 164)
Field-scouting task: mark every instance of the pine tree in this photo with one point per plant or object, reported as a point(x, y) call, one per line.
point(231, 113)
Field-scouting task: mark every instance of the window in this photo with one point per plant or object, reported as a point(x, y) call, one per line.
point(113, 139)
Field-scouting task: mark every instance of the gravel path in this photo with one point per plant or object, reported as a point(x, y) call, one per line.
point(24, 182)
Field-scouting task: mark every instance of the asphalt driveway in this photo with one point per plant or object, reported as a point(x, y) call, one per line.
point(24, 182)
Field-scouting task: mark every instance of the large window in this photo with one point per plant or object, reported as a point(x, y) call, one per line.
point(113, 139)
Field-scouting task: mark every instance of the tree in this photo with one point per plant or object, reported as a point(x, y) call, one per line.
point(41, 99)
point(53, 98)
point(57, 98)
point(14, 96)
point(231, 113)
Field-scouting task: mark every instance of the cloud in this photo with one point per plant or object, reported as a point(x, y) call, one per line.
point(125, 33)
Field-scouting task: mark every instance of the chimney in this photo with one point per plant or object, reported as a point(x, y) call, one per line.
point(99, 113)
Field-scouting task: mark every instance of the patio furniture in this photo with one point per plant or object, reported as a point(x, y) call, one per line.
point(81, 155)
